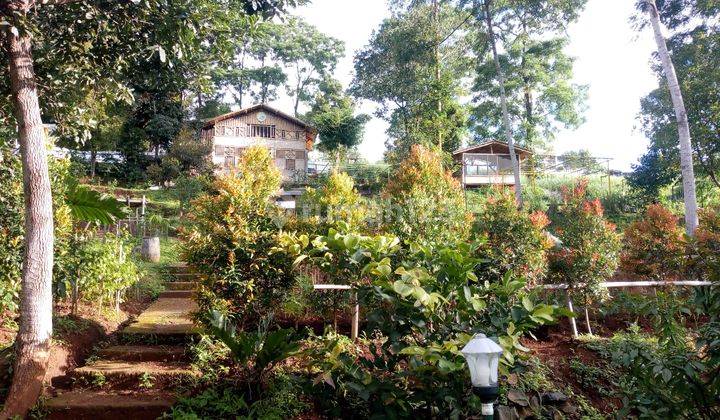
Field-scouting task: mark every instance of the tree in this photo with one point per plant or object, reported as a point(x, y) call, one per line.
point(531, 77)
point(683, 127)
point(590, 248)
point(541, 97)
point(398, 70)
point(33, 339)
point(311, 54)
point(500, 75)
point(333, 114)
point(580, 160)
point(187, 156)
point(427, 204)
point(696, 54)
point(101, 131)
point(539, 91)
point(23, 19)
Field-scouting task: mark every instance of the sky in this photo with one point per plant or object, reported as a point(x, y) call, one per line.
point(611, 58)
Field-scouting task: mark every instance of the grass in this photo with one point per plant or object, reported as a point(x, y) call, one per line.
point(165, 199)
point(153, 281)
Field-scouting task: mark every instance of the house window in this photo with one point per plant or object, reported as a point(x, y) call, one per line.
point(264, 131)
point(229, 162)
point(480, 166)
point(289, 164)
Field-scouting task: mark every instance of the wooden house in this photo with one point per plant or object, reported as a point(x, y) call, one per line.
point(488, 163)
point(289, 139)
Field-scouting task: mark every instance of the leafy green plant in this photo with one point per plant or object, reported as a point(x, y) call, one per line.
point(335, 200)
point(91, 206)
point(146, 381)
point(229, 239)
point(264, 347)
point(12, 229)
point(422, 303)
point(96, 269)
point(589, 253)
point(212, 403)
point(424, 202)
point(705, 261)
point(514, 240)
point(663, 378)
point(98, 380)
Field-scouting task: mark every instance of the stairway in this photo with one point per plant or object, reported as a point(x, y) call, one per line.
point(136, 379)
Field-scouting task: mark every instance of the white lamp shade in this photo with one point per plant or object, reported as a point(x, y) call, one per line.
point(482, 356)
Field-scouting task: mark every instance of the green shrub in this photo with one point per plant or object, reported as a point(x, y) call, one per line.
point(665, 379)
point(654, 246)
point(336, 200)
point(12, 230)
point(95, 269)
point(421, 303)
point(514, 240)
point(229, 239)
point(425, 202)
point(590, 247)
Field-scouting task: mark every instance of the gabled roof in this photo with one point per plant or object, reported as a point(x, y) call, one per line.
point(212, 121)
point(488, 143)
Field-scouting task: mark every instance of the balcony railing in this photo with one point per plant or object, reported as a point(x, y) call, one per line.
point(482, 164)
point(266, 132)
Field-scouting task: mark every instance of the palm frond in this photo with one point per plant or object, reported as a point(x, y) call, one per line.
point(91, 206)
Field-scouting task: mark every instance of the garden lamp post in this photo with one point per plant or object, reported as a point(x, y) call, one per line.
point(482, 356)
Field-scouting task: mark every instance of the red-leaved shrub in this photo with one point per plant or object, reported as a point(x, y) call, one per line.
point(654, 246)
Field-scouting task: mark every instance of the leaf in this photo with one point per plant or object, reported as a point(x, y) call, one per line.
point(544, 312)
point(351, 241)
point(527, 304)
point(91, 206)
point(402, 288)
point(161, 53)
point(299, 259)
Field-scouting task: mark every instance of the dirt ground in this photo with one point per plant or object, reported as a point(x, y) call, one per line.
point(74, 337)
point(555, 347)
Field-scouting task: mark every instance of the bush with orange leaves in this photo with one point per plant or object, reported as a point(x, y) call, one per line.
point(654, 246)
point(424, 202)
point(706, 259)
point(590, 247)
point(514, 240)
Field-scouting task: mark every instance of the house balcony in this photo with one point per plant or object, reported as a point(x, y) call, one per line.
point(479, 169)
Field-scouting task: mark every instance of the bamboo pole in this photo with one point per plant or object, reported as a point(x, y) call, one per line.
point(573, 324)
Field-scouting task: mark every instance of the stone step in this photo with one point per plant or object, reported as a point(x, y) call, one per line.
point(120, 373)
point(176, 294)
point(158, 353)
point(89, 405)
point(166, 316)
point(183, 277)
point(180, 285)
point(179, 269)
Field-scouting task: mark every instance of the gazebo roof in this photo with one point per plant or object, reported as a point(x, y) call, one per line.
point(489, 143)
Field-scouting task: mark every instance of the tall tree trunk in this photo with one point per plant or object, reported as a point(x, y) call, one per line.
point(503, 103)
point(93, 163)
point(33, 339)
point(297, 101)
point(436, 23)
point(686, 158)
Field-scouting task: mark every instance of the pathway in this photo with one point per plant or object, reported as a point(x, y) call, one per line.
point(135, 380)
